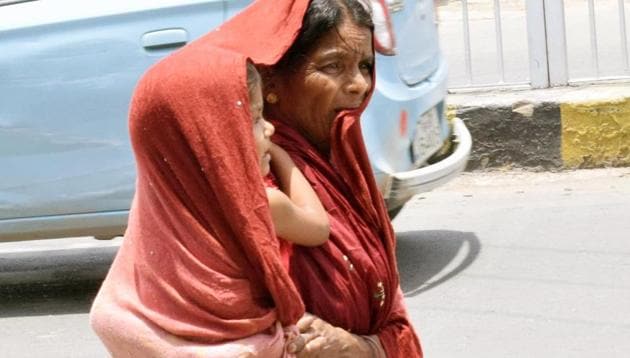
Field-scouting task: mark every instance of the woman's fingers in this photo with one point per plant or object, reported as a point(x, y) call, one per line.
point(314, 348)
point(296, 344)
point(316, 345)
point(310, 332)
point(299, 343)
point(319, 324)
point(304, 324)
point(309, 336)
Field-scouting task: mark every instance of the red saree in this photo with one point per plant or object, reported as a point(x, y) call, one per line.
point(199, 271)
point(351, 281)
point(344, 280)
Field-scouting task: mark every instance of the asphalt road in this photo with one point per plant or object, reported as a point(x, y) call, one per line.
point(520, 265)
point(492, 265)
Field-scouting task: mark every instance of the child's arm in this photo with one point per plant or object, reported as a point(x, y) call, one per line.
point(297, 213)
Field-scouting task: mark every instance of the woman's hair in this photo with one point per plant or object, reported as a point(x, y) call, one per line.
point(321, 17)
point(253, 78)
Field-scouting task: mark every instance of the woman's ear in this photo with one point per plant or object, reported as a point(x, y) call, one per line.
point(267, 74)
point(270, 87)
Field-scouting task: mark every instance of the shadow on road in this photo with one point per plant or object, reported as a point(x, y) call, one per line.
point(45, 299)
point(52, 282)
point(427, 259)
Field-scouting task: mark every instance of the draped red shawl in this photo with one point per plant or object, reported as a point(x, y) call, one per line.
point(343, 280)
point(200, 259)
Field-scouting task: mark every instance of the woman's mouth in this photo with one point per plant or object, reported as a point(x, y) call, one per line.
point(347, 109)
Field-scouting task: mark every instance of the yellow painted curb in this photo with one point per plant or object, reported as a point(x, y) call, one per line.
point(596, 134)
point(451, 112)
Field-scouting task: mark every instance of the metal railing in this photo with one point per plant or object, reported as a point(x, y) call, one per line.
point(624, 36)
point(557, 52)
point(596, 71)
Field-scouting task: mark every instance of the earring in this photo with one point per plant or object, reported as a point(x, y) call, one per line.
point(272, 98)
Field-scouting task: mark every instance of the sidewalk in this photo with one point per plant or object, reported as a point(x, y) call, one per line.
point(547, 129)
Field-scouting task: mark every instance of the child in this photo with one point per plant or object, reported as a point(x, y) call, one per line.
point(198, 272)
point(297, 213)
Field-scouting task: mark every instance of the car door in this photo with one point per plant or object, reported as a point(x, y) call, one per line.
point(67, 73)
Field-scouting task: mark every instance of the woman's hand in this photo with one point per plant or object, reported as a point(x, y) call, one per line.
point(321, 339)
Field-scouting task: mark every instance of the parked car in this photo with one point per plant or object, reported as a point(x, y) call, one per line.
point(67, 73)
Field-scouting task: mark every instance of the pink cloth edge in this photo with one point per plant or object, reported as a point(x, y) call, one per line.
point(125, 334)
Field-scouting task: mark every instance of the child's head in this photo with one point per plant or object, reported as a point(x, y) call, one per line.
point(263, 130)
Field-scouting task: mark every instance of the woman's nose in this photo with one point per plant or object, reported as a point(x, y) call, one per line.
point(358, 84)
point(269, 128)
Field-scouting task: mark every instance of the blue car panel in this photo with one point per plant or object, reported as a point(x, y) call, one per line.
point(63, 130)
point(67, 73)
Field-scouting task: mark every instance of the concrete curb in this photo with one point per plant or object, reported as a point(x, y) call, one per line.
point(549, 129)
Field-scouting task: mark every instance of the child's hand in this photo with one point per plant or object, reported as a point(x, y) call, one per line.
point(297, 213)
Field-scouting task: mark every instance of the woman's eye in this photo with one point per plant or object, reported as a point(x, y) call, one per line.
point(366, 67)
point(333, 67)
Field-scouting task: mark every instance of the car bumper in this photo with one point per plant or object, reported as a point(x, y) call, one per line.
point(100, 225)
point(401, 186)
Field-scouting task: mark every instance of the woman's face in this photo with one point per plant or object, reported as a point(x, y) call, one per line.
point(263, 130)
point(335, 76)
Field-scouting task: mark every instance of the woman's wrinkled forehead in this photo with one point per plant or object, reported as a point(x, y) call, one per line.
point(348, 39)
point(321, 18)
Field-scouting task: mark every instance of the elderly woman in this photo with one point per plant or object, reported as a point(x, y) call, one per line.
point(167, 290)
point(316, 86)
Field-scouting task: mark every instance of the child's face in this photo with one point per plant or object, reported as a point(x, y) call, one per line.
point(263, 130)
